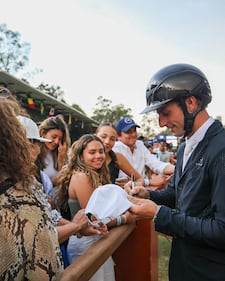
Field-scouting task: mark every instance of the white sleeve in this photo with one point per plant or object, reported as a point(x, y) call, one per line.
point(154, 163)
point(47, 184)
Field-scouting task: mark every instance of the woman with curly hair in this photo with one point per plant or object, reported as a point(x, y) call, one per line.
point(29, 247)
point(85, 171)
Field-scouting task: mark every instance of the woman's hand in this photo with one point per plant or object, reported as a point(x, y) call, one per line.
point(62, 152)
point(85, 228)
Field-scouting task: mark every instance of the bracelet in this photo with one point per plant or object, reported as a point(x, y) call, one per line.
point(118, 220)
point(147, 181)
point(125, 219)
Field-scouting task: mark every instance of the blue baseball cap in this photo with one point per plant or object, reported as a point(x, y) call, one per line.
point(124, 124)
point(149, 142)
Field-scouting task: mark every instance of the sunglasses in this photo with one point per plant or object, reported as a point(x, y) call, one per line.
point(4, 92)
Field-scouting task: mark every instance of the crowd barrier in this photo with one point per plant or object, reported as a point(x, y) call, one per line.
point(134, 249)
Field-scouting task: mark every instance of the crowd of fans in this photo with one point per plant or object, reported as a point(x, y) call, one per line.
point(46, 184)
point(57, 168)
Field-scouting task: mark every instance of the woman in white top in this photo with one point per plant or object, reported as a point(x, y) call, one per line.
point(53, 154)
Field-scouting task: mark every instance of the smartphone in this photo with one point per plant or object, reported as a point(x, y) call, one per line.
point(94, 223)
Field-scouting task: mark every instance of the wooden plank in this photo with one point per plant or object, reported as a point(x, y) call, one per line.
point(137, 257)
point(86, 265)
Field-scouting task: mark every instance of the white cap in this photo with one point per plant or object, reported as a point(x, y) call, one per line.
point(31, 128)
point(107, 202)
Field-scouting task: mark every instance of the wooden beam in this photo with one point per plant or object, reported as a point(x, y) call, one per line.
point(86, 265)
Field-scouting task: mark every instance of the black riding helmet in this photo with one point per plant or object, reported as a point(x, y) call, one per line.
point(176, 82)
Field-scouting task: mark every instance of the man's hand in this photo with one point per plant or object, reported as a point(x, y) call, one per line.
point(139, 191)
point(142, 208)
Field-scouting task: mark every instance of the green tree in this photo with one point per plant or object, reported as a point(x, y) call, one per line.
point(105, 112)
point(13, 51)
point(52, 90)
point(150, 124)
point(77, 107)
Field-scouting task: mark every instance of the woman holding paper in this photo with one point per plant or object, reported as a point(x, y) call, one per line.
point(86, 170)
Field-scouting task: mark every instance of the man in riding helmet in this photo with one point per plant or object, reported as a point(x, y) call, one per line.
point(191, 208)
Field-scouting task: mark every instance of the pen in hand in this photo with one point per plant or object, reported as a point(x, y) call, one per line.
point(132, 181)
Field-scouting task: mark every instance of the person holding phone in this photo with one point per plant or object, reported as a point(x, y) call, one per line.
point(85, 171)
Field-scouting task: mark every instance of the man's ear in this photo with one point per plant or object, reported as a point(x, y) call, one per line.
point(191, 104)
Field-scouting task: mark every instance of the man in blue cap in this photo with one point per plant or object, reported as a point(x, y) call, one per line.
point(136, 152)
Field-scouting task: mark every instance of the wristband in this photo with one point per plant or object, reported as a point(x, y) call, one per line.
point(147, 181)
point(118, 220)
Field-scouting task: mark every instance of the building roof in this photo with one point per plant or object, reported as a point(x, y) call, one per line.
point(23, 91)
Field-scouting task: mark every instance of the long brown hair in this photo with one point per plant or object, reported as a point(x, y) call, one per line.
point(51, 123)
point(75, 163)
point(111, 152)
point(15, 161)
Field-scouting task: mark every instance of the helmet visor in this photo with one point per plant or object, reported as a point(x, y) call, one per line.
point(155, 105)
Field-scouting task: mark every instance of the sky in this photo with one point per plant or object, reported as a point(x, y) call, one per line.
point(111, 48)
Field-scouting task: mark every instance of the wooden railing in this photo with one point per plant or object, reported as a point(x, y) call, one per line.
point(134, 250)
point(84, 267)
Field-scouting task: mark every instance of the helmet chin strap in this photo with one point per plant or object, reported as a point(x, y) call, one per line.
point(189, 118)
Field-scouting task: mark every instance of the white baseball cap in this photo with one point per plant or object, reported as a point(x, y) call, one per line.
point(108, 202)
point(31, 128)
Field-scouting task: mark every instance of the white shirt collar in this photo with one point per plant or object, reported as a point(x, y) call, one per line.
point(200, 133)
point(193, 141)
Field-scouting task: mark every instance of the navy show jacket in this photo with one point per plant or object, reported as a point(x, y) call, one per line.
point(193, 211)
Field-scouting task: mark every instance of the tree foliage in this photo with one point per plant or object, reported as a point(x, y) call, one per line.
point(52, 90)
point(150, 125)
point(105, 112)
point(13, 51)
point(14, 56)
point(77, 107)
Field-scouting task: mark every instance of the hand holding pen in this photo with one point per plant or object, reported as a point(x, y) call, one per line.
point(132, 181)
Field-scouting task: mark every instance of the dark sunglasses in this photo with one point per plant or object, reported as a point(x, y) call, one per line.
point(4, 92)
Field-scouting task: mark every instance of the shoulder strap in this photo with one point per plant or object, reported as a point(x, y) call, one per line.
point(5, 185)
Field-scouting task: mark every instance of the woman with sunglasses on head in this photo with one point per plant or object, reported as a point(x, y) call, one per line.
point(25, 223)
